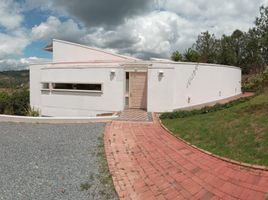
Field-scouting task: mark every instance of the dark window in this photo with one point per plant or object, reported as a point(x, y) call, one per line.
point(63, 86)
point(77, 86)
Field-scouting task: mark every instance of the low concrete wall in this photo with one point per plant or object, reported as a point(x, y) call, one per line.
point(54, 120)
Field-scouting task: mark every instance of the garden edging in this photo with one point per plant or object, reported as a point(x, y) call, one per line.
point(54, 120)
point(258, 167)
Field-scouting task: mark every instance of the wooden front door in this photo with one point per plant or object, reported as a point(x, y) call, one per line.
point(138, 90)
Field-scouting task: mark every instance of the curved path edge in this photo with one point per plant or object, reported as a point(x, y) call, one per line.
point(147, 162)
point(243, 164)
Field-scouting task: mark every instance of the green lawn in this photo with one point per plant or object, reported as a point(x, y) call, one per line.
point(239, 132)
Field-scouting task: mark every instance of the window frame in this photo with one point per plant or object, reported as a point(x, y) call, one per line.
point(52, 89)
point(45, 89)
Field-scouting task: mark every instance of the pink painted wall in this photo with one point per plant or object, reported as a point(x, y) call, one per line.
point(70, 52)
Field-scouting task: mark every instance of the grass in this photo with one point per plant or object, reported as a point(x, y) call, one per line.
point(104, 189)
point(239, 132)
point(85, 186)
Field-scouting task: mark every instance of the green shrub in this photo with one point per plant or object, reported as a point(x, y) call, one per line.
point(4, 99)
point(15, 103)
point(204, 110)
point(256, 82)
point(19, 101)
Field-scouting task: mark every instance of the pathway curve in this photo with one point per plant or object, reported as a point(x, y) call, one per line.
point(147, 162)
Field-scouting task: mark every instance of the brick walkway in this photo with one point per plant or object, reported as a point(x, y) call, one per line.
point(135, 115)
point(147, 163)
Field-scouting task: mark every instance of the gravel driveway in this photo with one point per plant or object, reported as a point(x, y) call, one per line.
point(41, 161)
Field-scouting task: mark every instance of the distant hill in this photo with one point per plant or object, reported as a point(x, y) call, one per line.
point(14, 80)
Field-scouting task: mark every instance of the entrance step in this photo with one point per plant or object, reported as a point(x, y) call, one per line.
point(135, 115)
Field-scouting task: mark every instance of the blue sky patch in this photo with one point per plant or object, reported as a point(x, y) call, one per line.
point(37, 49)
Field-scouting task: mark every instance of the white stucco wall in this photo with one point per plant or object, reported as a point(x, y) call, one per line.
point(160, 90)
point(202, 83)
point(209, 83)
point(64, 104)
point(35, 86)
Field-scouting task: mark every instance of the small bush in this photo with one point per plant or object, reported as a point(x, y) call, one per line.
point(204, 110)
point(256, 82)
point(15, 103)
point(4, 99)
point(31, 111)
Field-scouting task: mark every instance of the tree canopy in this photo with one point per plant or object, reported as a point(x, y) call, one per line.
point(248, 50)
point(176, 56)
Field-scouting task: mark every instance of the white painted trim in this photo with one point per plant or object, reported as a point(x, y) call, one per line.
point(26, 119)
point(45, 90)
point(77, 91)
point(120, 64)
point(80, 67)
point(195, 63)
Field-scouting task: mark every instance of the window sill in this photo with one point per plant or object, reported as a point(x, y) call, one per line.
point(78, 91)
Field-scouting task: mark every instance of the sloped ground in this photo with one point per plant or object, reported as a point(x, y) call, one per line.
point(147, 162)
point(239, 132)
point(51, 162)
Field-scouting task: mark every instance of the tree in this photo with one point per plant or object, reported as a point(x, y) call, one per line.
point(253, 61)
point(206, 46)
point(262, 32)
point(4, 99)
point(176, 56)
point(237, 39)
point(191, 55)
point(226, 54)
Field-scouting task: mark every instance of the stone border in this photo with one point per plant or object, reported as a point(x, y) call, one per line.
point(55, 120)
point(242, 164)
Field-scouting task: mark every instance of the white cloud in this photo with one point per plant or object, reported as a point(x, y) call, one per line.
point(54, 28)
point(19, 64)
point(145, 34)
point(95, 12)
point(13, 44)
point(13, 38)
point(156, 34)
point(10, 14)
point(220, 17)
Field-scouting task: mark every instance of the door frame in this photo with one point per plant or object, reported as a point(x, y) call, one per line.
point(129, 89)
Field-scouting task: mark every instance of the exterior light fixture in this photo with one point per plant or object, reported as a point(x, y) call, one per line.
point(160, 73)
point(112, 72)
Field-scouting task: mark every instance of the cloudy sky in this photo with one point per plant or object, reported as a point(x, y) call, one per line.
point(141, 28)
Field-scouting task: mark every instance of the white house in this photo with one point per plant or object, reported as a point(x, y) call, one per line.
point(84, 81)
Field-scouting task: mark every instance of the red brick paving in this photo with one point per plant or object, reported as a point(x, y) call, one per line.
point(147, 162)
point(135, 115)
